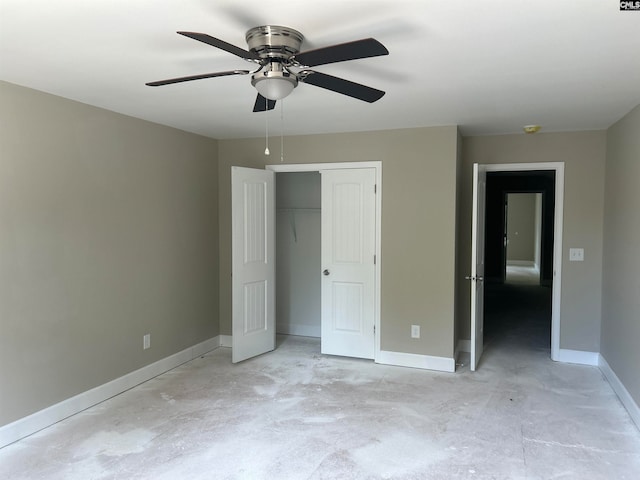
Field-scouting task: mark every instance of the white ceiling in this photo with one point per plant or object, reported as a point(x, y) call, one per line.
point(490, 66)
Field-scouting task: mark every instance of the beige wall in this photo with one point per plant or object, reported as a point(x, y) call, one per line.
point(583, 154)
point(457, 268)
point(521, 223)
point(108, 231)
point(418, 223)
point(621, 292)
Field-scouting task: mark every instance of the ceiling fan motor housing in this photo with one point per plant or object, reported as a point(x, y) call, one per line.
point(272, 41)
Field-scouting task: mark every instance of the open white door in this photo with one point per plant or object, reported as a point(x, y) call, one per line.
point(348, 262)
point(253, 262)
point(477, 263)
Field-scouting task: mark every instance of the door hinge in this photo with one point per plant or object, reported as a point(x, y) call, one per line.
point(374, 259)
point(374, 329)
point(375, 188)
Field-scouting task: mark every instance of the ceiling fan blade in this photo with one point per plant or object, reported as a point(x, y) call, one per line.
point(340, 85)
point(209, 40)
point(196, 77)
point(365, 48)
point(262, 104)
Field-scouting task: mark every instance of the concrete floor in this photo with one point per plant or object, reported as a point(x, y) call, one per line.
point(296, 414)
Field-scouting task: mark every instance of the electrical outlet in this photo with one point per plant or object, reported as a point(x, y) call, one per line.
point(415, 331)
point(146, 341)
point(576, 254)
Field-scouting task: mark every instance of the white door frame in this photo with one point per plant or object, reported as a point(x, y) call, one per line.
point(558, 167)
point(377, 165)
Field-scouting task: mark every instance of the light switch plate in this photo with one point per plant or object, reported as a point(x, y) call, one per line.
point(576, 254)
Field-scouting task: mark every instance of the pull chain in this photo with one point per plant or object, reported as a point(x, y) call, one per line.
point(281, 131)
point(266, 126)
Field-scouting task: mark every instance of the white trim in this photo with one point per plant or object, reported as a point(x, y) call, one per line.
point(577, 356)
point(621, 391)
point(298, 330)
point(35, 422)
point(522, 167)
point(201, 348)
point(225, 341)
point(317, 167)
point(556, 297)
point(412, 360)
point(521, 263)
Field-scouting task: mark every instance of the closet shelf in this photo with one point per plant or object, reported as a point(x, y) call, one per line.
point(296, 210)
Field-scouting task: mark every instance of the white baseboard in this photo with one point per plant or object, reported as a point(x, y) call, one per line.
point(202, 348)
point(564, 355)
point(623, 394)
point(299, 330)
point(578, 356)
point(427, 362)
point(225, 341)
point(31, 424)
point(521, 263)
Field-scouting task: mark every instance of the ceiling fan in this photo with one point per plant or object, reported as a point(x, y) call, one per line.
point(282, 66)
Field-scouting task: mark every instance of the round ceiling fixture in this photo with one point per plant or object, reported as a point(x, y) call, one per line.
point(531, 128)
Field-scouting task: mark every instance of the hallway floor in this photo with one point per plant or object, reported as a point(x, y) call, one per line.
point(523, 275)
point(517, 316)
point(297, 414)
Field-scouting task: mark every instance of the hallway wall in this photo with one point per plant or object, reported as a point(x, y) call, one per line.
point(521, 227)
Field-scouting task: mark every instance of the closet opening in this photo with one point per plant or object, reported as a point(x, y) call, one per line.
point(298, 254)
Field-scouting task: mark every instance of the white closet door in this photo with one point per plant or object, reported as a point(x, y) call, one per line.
point(253, 262)
point(348, 268)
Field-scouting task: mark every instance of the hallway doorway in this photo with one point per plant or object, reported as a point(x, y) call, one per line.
point(488, 252)
point(518, 256)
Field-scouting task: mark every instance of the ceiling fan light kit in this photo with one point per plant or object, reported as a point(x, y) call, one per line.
point(282, 66)
point(274, 83)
